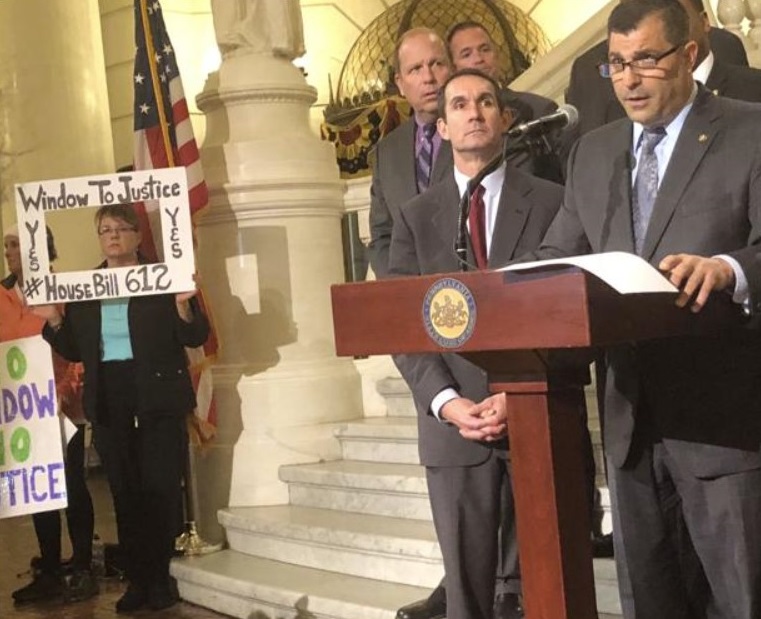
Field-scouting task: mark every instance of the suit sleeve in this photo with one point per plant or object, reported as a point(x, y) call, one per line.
point(381, 223)
point(426, 374)
point(62, 339)
point(566, 235)
point(749, 258)
point(195, 332)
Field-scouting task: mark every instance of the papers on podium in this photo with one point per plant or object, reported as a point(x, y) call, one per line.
point(624, 272)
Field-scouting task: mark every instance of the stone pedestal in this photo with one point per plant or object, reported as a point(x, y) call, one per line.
point(269, 249)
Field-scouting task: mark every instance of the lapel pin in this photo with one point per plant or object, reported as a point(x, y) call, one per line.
point(716, 91)
point(702, 138)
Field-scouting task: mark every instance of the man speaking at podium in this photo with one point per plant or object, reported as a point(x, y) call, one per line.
point(461, 427)
point(678, 182)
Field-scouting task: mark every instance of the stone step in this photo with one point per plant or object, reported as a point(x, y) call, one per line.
point(239, 585)
point(380, 439)
point(398, 397)
point(379, 547)
point(378, 488)
point(606, 587)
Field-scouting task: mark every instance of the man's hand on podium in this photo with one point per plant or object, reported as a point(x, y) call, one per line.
point(485, 421)
point(697, 277)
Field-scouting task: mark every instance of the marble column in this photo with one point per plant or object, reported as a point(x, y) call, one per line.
point(269, 249)
point(53, 108)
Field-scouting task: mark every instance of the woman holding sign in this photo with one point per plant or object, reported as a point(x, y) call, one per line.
point(137, 393)
point(18, 320)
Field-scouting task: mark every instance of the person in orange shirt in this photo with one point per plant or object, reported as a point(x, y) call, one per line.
point(17, 321)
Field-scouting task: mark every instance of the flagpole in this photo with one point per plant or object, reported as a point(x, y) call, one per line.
point(156, 83)
point(190, 542)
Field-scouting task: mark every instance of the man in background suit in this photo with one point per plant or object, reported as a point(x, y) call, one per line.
point(679, 183)
point(420, 65)
point(471, 47)
point(461, 427)
point(593, 95)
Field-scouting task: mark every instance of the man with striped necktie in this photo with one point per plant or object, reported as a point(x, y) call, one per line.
point(411, 157)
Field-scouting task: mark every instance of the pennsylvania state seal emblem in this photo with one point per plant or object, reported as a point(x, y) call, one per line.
point(449, 313)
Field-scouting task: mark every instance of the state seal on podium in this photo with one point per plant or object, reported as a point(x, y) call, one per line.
point(449, 313)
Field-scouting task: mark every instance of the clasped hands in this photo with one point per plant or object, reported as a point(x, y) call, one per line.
point(482, 421)
point(696, 277)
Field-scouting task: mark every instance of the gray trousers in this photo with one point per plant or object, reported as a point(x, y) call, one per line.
point(686, 548)
point(475, 524)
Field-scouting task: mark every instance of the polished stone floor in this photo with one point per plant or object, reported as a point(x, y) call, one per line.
point(18, 544)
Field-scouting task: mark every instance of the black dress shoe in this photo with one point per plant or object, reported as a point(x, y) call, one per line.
point(134, 598)
point(160, 598)
point(602, 546)
point(433, 607)
point(43, 587)
point(508, 606)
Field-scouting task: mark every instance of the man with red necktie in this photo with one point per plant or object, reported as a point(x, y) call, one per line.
point(462, 427)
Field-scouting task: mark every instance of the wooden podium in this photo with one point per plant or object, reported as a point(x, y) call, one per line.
point(513, 326)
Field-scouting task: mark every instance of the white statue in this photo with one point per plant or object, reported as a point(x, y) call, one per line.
point(259, 27)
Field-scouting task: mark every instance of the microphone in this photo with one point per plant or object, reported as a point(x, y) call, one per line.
point(565, 117)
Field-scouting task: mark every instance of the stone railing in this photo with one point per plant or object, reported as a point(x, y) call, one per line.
point(743, 17)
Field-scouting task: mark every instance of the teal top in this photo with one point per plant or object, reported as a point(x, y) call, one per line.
point(114, 330)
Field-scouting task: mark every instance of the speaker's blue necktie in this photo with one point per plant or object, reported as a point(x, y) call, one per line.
point(645, 185)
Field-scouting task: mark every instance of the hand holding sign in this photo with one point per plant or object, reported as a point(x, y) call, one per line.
point(182, 299)
point(49, 313)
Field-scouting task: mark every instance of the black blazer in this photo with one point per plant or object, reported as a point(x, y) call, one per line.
point(735, 82)
point(158, 336)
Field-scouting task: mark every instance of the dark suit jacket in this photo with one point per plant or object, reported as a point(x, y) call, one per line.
point(593, 95)
point(529, 106)
point(728, 47)
point(158, 336)
point(702, 395)
point(394, 184)
point(735, 82)
point(422, 243)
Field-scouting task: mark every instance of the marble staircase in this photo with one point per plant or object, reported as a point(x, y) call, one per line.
point(356, 539)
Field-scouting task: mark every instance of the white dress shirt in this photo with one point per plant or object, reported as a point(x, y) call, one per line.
point(492, 184)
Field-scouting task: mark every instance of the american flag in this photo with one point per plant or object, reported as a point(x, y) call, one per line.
point(164, 138)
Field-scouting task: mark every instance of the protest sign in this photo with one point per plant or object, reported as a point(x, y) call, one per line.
point(165, 187)
point(31, 454)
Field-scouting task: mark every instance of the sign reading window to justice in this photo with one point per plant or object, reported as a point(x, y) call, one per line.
point(165, 194)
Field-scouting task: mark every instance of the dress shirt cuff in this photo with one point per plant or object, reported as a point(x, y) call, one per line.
point(441, 398)
point(741, 293)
